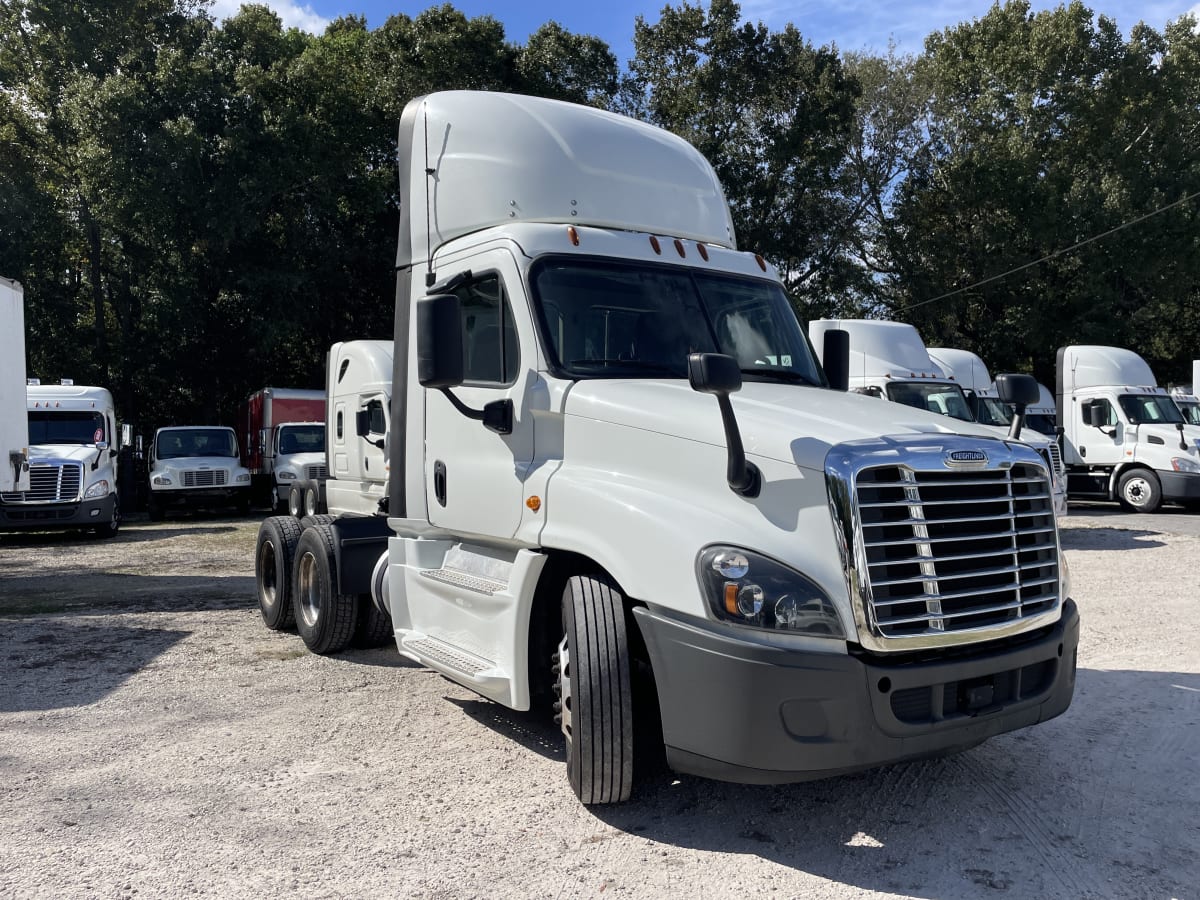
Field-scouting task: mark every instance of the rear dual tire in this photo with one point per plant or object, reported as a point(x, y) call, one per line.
point(325, 619)
point(274, 558)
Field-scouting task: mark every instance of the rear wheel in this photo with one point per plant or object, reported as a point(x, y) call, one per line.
point(311, 501)
point(1139, 491)
point(324, 618)
point(295, 503)
point(273, 560)
point(374, 628)
point(595, 701)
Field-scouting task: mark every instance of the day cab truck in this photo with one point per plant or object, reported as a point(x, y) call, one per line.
point(283, 442)
point(195, 466)
point(1123, 436)
point(890, 360)
point(622, 486)
point(14, 425)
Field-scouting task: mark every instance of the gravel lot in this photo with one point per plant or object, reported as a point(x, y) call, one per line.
point(157, 740)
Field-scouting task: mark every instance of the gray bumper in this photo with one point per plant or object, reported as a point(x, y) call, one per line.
point(740, 711)
point(1179, 485)
point(42, 516)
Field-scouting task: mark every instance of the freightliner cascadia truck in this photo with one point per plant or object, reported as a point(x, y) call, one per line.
point(621, 484)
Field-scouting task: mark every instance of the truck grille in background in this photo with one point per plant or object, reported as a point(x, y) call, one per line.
point(315, 472)
point(49, 483)
point(953, 550)
point(204, 478)
point(1056, 463)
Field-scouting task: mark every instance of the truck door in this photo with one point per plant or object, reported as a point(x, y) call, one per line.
point(474, 476)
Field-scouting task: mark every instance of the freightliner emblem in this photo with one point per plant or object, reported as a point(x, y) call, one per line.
point(966, 459)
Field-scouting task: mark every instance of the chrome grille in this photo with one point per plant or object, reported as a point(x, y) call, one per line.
point(1056, 463)
point(49, 482)
point(938, 555)
point(204, 477)
point(316, 471)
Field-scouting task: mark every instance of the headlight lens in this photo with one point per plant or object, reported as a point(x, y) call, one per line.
point(162, 479)
point(750, 589)
point(99, 489)
point(244, 478)
point(285, 475)
point(1184, 464)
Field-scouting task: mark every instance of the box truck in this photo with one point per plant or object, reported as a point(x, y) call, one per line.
point(1123, 436)
point(283, 441)
point(196, 466)
point(622, 484)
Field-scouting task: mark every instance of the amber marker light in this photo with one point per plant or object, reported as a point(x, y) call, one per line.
point(654, 243)
point(573, 235)
point(703, 252)
point(731, 595)
point(762, 263)
point(679, 248)
point(534, 503)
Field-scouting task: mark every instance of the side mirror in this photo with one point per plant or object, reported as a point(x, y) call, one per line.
point(1097, 414)
point(718, 374)
point(1017, 391)
point(362, 423)
point(101, 445)
point(836, 358)
point(440, 341)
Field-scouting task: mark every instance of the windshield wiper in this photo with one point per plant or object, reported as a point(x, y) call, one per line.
point(640, 364)
point(789, 375)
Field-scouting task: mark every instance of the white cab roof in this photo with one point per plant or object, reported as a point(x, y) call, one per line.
point(68, 396)
point(964, 367)
point(880, 348)
point(1088, 366)
point(362, 366)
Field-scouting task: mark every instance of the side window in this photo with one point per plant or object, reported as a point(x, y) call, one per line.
point(490, 352)
point(340, 432)
point(377, 422)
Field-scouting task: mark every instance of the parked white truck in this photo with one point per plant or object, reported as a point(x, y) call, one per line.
point(1123, 437)
point(618, 476)
point(14, 425)
point(196, 465)
point(283, 442)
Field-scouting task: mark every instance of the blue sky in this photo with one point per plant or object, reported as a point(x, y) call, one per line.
point(851, 24)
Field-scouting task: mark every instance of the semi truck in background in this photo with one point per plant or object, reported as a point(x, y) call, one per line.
point(620, 481)
point(1042, 417)
point(889, 360)
point(1124, 438)
point(283, 441)
point(14, 425)
point(195, 466)
point(971, 373)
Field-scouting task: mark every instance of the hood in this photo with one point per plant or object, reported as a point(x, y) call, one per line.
point(1170, 436)
point(300, 460)
point(790, 423)
point(84, 453)
point(181, 463)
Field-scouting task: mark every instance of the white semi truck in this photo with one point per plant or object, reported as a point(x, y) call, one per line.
point(14, 426)
point(196, 466)
point(1123, 436)
point(618, 477)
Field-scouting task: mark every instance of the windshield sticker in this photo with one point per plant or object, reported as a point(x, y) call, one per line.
point(98, 436)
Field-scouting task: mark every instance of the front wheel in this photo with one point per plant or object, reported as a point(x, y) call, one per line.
point(595, 698)
point(325, 618)
point(1139, 491)
point(110, 528)
point(273, 558)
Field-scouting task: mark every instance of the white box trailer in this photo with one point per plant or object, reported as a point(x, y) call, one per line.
point(620, 481)
point(14, 427)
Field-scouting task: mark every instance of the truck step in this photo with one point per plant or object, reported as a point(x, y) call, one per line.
point(440, 653)
point(465, 580)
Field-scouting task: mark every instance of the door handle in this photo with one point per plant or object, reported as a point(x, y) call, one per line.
point(439, 482)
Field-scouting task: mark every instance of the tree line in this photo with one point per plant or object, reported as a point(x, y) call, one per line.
point(198, 209)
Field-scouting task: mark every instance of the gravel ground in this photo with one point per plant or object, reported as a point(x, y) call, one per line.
point(157, 740)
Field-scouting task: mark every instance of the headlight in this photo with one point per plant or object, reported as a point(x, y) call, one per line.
point(162, 479)
point(284, 475)
point(99, 489)
point(1183, 464)
point(750, 589)
point(244, 478)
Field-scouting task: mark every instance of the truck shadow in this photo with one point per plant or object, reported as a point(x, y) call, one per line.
point(130, 533)
point(86, 668)
point(1099, 802)
point(1090, 538)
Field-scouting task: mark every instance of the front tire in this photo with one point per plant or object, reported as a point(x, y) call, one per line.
point(596, 702)
point(154, 509)
point(324, 618)
point(274, 556)
point(109, 529)
point(1140, 491)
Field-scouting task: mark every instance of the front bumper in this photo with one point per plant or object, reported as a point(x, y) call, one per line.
point(736, 710)
point(42, 516)
point(1179, 485)
point(222, 496)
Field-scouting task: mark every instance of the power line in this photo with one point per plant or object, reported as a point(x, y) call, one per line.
point(1056, 253)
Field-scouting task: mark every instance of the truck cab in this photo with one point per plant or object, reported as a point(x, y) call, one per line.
point(1124, 438)
point(622, 486)
point(196, 465)
point(297, 452)
point(73, 470)
point(1188, 403)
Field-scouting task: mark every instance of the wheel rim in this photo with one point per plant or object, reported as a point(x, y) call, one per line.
point(307, 590)
point(563, 688)
point(310, 503)
point(1137, 491)
point(266, 566)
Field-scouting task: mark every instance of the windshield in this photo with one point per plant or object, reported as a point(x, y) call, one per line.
point(991, 411)
point(946, 399)
point(625, 320)
point(302, 439)
point(65, 427)
point(1190, 410)
point(176, 442)
point(1143, 409)
point(1043, 423)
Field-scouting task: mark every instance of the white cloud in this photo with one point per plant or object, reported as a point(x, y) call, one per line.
point(293, 15)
